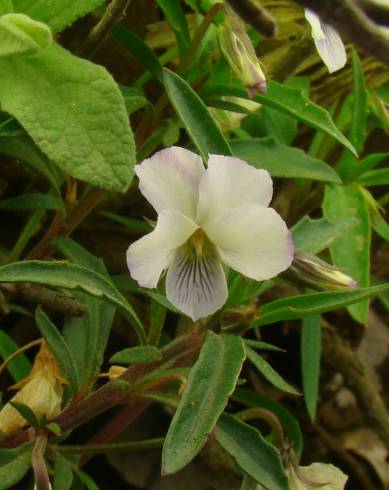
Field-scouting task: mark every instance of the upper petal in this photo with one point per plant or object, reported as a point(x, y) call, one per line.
point(252, 240)
point(229, 183)
point(196, 284)
point(170, 180)
point(149, 256)
point(328, 43)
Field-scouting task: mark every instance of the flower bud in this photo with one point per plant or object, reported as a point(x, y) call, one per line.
point(115, 371)
point(315, 272)
point(317, 475)
point(41, 391)
point(239, 52)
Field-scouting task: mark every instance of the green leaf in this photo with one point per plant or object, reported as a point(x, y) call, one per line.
point(268, 372)
point(19, 367)
point(23, 148)
point(252, 453)
point(133, 224)
point(85, 128)
point(87, 336)
point(6, 6)
point(380, 225)
point(289, 423)
point(22, 36)
point(315, 235)
point(70, 276)
point(198, 122)
point(58, 14)
point(176, 18)
point(305, 305)
point(310, 361)
point(32, 201)
point(139, 49)
point(258, 344)
point(283, 161)
point(26, 413)
point(59, 348)
point(63, 475)
point(283, 128)
point(146, 353)
point(351, 252)
point(134, 99)
point(359, 111)
point(211, 381)
point(14, 464)
point(292, 102)
point(374, 177)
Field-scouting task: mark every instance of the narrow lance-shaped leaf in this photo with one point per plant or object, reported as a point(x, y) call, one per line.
point(176, 18)
point(18, 367)
point(23, 148)
point(252, 453)
point(146, 353)
point(32, 201)
point(139, 49)
point(268, 372)
point(310, 361)
point(283, 161)
point(70, 276)
point(198, 122)
point(375, 177)
point(85, 128)
point(290, 101)
point(360, 107)
point(305, 305)
point(211, 381)
point(58, 347)
point(349, 166)
point(87, 336)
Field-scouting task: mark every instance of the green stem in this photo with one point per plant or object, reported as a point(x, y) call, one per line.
point(114, 447)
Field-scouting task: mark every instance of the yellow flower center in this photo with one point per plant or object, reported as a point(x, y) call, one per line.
point(197, 241)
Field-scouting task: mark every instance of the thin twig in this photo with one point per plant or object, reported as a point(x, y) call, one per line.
point(113, 14)
point(64, 228)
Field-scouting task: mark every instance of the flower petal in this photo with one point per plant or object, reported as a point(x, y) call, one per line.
point(328, 43)
point(197, 286)
point(170, 179)
point(252, 240)
point(229, 183)
point(149, 256)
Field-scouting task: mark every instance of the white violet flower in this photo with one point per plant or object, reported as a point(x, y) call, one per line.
point(206, 217)
point(328, 43)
